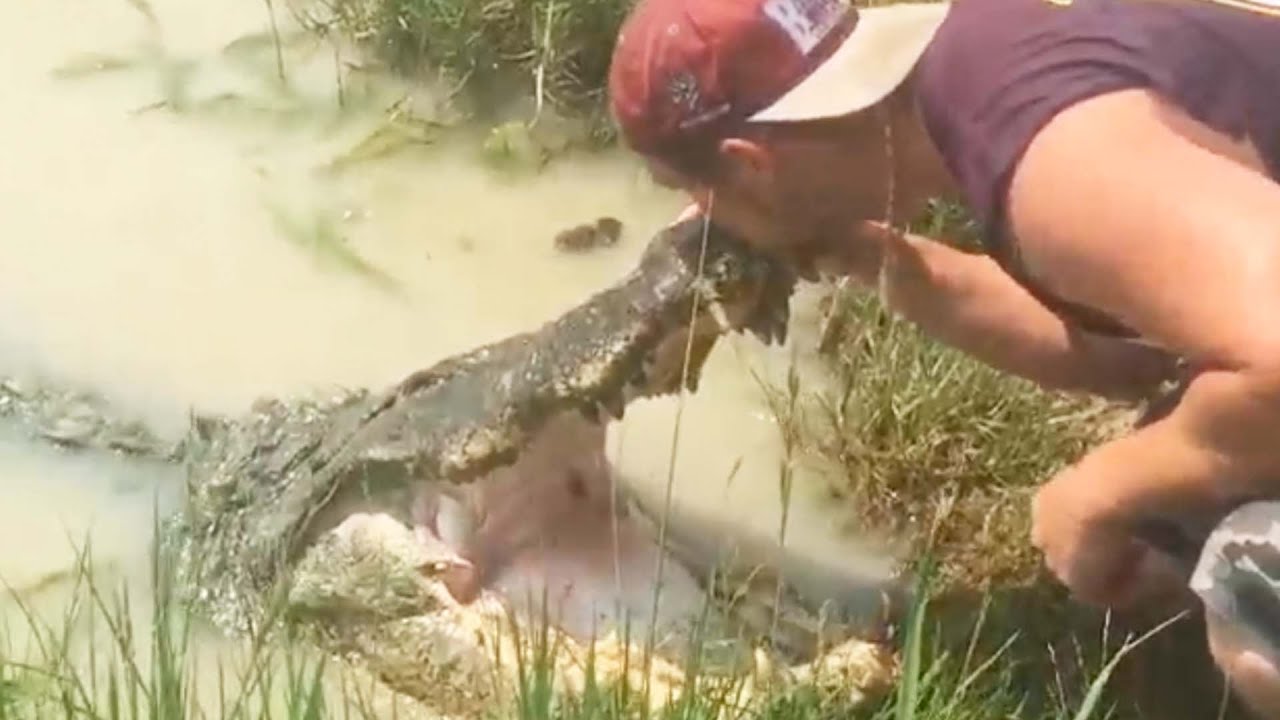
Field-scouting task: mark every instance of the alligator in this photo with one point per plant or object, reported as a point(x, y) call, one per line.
point(403, 526)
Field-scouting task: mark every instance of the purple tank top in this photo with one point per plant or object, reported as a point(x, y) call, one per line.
point(998, 70)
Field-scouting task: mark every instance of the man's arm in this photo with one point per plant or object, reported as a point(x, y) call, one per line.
point(1197, 270)
point(968, 302)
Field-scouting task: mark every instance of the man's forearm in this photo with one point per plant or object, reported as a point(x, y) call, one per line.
point(1216, 448)
point(968, 302)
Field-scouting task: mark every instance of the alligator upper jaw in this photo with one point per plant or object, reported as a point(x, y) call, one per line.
point(760, 308)
point(677, 360)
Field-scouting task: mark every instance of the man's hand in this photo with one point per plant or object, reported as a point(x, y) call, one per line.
point(1088, 544)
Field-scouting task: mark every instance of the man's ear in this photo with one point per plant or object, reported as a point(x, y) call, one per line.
point(745, 160)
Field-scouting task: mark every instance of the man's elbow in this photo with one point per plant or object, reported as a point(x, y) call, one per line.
point(1119, 370)
point(1235, 323)
point(1234, 398)
point(1257, 373)
point(1253, 349)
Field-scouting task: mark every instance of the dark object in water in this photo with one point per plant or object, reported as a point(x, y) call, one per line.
point(604, 232)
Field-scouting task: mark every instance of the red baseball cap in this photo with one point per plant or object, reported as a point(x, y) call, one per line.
point(685, 72)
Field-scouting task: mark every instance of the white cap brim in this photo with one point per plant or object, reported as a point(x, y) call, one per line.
point(874, 60)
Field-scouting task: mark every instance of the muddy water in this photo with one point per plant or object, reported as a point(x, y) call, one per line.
point(196, 255)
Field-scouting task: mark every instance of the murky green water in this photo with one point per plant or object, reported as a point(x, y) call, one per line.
point(201, 253)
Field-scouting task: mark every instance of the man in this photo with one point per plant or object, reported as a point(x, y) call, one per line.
point(1122, 158)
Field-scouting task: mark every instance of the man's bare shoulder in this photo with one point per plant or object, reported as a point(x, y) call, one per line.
point(1000, 70)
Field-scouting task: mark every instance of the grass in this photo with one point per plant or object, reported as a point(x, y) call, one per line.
point(941, 454)
point(103, 657)
point(925, 442)
point(555, 51)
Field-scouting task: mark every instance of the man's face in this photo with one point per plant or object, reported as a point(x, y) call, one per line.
point(794, 191)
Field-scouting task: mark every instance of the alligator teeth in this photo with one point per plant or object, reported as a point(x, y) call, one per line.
point(614, 406)
point(640, 380)
point(779, 320)
point(590, 412)
point(630, 392)
point(721, 316)
point(769, 328)
point(645, 375)
point(694, 377)
point(762, 328)
point(633, 388)
point(778, 329)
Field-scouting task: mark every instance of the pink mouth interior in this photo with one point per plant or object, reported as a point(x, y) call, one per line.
point(544, 534)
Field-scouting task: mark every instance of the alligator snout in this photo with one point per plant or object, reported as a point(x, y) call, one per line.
point(694, 284)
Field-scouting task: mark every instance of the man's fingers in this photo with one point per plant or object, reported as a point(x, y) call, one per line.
point(1100, 566)
point(1115, 574)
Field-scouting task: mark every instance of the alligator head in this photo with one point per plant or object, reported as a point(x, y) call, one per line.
point(394, 526)
point(263, 487)
point(397, 524)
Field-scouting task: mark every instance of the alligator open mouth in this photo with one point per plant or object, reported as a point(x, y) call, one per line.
point(554, 524)
point(557, 535)
point(491, 463)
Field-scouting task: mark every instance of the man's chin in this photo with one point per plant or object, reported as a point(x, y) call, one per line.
point(807, 269)
point(807, 261)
